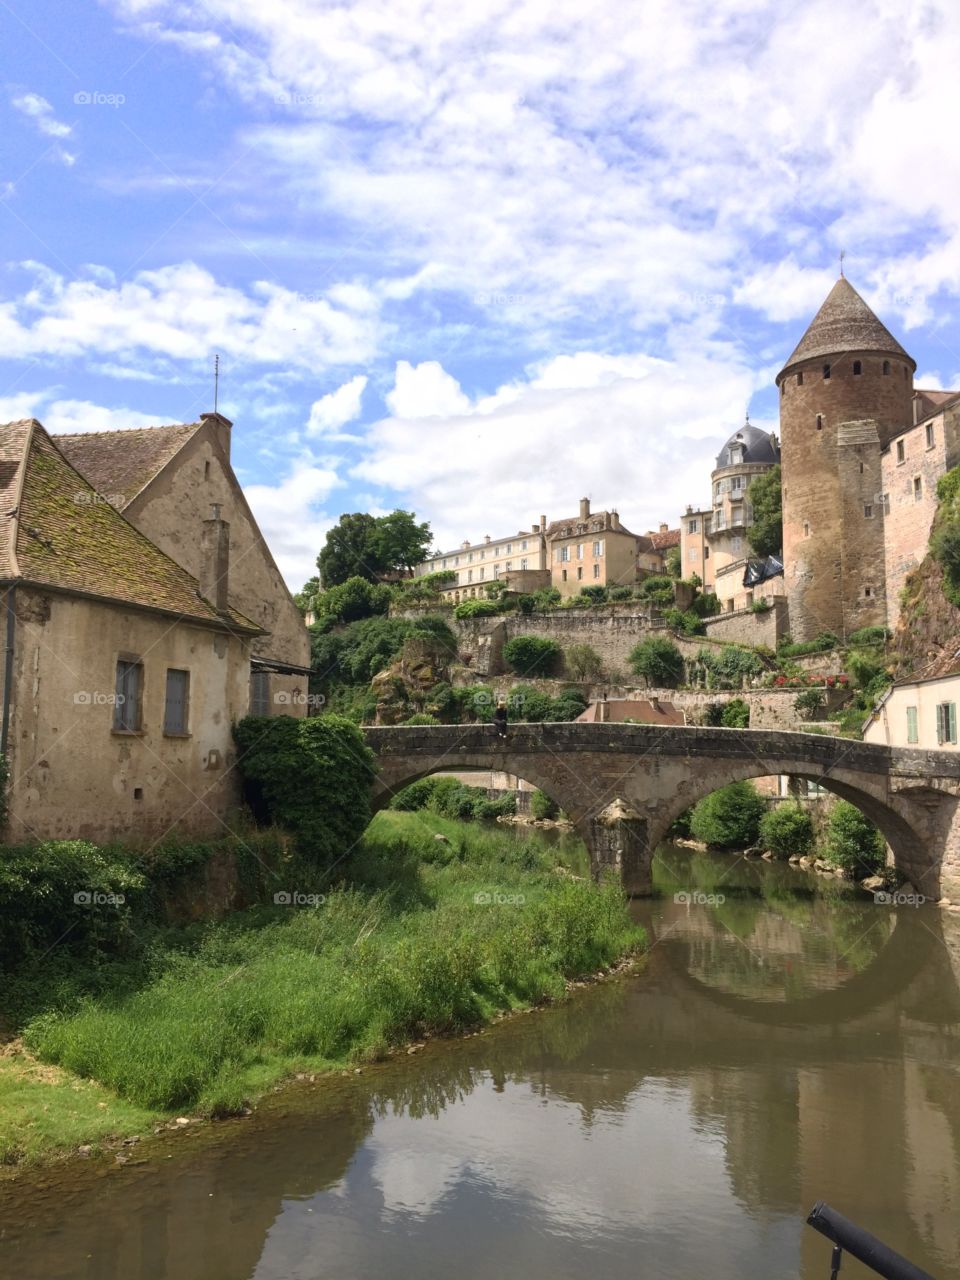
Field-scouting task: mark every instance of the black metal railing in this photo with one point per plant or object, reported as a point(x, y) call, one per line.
point(873, 1253)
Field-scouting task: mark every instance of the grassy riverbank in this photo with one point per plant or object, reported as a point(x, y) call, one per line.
point(428, 937)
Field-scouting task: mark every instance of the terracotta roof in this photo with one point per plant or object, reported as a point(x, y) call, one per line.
point(844, 323)
point(641, 710)
point(121, 463)
point(65, 535)
point(664, 541)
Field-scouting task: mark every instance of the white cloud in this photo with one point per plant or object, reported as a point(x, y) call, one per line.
point(632, 432)
point(61, 416)
point(336, 409)
point(425, 391)
point(41, 113)
point(183, 312)
point(291, 518)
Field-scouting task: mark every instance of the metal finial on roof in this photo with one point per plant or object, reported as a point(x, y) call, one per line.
point(216, 381)
point(843, 254)
point(746, 419)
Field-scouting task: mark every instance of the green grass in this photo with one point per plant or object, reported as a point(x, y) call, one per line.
point(400, 951)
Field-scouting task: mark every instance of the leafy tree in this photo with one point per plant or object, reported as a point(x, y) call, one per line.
point(808, 703)
point(541, 806)
point(727, 666)
point(705, 605)
point(658, 589)
point(400, 544)
point(596, 594)
point(547, 597)
point(730, 817)
point(672, 563)
point(853, 842)
point(735, 714)
point(659, 661)
point(354, 599)
point(533, 655)
point(787, 831)
point(306, 597)
point(422, 717)
point(366, 546)
point(765, 535)
point(583, 662)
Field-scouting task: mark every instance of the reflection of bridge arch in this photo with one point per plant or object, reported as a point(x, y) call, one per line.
point(623, 785)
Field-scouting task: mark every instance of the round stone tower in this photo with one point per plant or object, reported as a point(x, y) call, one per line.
point(845, 391)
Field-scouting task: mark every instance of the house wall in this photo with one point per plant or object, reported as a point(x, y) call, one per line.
point(889, 725)
point(929, 450)
point(615, 566)
point(72, 776)
point(477, 563)
point(694, 546)
point(170, 511)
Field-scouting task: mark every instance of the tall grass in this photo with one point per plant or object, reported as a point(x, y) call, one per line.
point(402, 951)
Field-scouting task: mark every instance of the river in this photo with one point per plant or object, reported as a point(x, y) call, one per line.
point(786, 1040)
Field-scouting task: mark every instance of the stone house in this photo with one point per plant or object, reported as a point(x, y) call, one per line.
point(918, 713)
point(591, 549)
point(519, 560)
point(123, 671)
point(652, 549)
point(167, 481)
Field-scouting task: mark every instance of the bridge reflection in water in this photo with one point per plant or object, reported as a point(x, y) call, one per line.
point(777, 1048)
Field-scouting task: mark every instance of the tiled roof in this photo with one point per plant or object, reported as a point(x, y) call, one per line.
point(120, 463)
point(571, 522)
point(664, 541)
point(845, 323)
point(67, 536)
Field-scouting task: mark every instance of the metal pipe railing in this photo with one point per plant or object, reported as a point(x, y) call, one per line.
point(872, 1252)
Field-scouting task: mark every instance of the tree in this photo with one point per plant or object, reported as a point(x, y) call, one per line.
point(541, 806)
point(583, 662)
point(853, 842)
point(659, 661)
point(532, 655)
point(366, 546)
point(765, 535)
point(306, 597)
point(672, 562)
point(787, 831)
point(354, 599)
point(400, 544)
point(730, 817)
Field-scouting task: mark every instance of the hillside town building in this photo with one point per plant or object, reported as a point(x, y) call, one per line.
point(518, 560)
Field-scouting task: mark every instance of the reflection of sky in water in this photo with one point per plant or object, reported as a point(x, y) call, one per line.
point(506, 1181)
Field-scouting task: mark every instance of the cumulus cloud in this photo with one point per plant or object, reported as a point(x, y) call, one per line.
point(183, 312)
point(61, 416)
point(337, 408)
point(425, 391)
point(291, 517)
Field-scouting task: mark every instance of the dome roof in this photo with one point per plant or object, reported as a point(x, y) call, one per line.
point(844, 323)
point(756, 446)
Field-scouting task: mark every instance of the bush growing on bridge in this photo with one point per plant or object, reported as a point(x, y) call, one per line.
point(729, 818)
point(787, 831)
point(533, 655)
point(311, 776)
point(659, 661)
point(853, 842)
point(542, 807)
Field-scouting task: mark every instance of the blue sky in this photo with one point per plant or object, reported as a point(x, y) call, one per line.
point(476, 260)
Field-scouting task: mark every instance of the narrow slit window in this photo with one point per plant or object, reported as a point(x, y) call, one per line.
point(800, 379)
point(886, 368)
point(857, 368)
point(826, 372)
point(819, 421)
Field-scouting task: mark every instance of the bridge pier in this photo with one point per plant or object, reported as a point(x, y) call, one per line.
point(618, 840)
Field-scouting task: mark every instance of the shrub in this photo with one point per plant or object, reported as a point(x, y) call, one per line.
point(541, 806)
point(422, 717)
point(735, 714)
point(620, 593)
point(658, 589)
point(808, 703)
point(729, 818)
point(415, 796)
point(596, 594)
point(688, 623)
point(867, 636)
point(853, 842)
point(354, 599)
point(727, 666)
point(659, 661)
point(583, 662)
point(761, 606)
point(477, 608)
point(311, 776)
point(787, 831)
point(547, 597)
point(825, 641)
point(706, 605)
point(532, 655)
point(526, 604)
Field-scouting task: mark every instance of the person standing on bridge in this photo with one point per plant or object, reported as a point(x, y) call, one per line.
point(500, 718)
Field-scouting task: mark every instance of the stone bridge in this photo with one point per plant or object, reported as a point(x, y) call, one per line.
point(623, 785)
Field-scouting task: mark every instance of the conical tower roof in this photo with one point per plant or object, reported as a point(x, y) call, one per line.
point(844, 323)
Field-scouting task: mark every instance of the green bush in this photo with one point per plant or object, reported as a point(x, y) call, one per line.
point(735, 714)
point(311, 776)
point(354, 599)
point(659, 661)
point(729, 818)
point(705, 605)
point(689, 623)
point(619, 593)
point(547, 597)
point(527, 704)
point(533, 655)
point(853, 842)
point(477, 608)
point(525, 604)
point(809, 703)
point(787, 831)
point(868, 636)
point(422, 717)
point(596, 594)
point(583, 662)
point(542, 807)
point(823, 643)
point(414, 796)
point(727, 666)
point(658, 589)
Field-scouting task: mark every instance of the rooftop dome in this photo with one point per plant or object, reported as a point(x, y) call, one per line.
point(749, 444)
point(844, 323)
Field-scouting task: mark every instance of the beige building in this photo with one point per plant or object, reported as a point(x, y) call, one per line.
point(591, 549)
point(166, 481)
point(919, 713)
point(653, 548)
point(123, 672)
point(713, 540)
point(519, 560)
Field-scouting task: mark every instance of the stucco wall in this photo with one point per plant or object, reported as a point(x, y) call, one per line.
point(72, 775)
point(170, 512)
point(889, 725)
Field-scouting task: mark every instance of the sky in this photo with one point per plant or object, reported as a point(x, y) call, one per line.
point(474, 260)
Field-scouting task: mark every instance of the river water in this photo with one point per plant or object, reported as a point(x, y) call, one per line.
point(791, 1042)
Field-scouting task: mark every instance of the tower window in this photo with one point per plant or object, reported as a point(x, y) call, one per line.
point(867, 511)
point(826, 372)
point(806, 530)
point(906, 374)
point(917, 489)
point(819, 421)
point(800, 379)
point(886, 368)
point(857, 368)
point(868, 591)
point(900, 452)
point(929, 435)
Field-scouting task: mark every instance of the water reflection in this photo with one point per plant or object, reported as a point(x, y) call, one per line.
point(677, 1125)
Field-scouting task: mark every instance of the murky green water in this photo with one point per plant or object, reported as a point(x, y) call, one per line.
point(787, 1044)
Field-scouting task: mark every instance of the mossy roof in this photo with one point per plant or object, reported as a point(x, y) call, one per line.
point(64, 534)
point(121, 463)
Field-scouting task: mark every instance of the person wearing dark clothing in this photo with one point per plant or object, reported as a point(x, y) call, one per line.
point(500, 719)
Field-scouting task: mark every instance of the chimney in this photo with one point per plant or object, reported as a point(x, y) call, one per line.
point(215, 560)
point(535, 529)
point(584, 508)
point(614, 520)
point(664, 527)
point(486, 537)
point(220, 429)
point(543, 524)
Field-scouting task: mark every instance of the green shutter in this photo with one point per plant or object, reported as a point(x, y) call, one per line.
point(912, 735)
point(952, 721)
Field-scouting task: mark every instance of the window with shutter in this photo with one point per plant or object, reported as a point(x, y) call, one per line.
point(951, 722)
point(126, 708)
point(175, 708)
point(912, 735)
point(260, 691)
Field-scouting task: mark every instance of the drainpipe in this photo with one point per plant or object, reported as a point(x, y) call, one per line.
point(8, 671)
